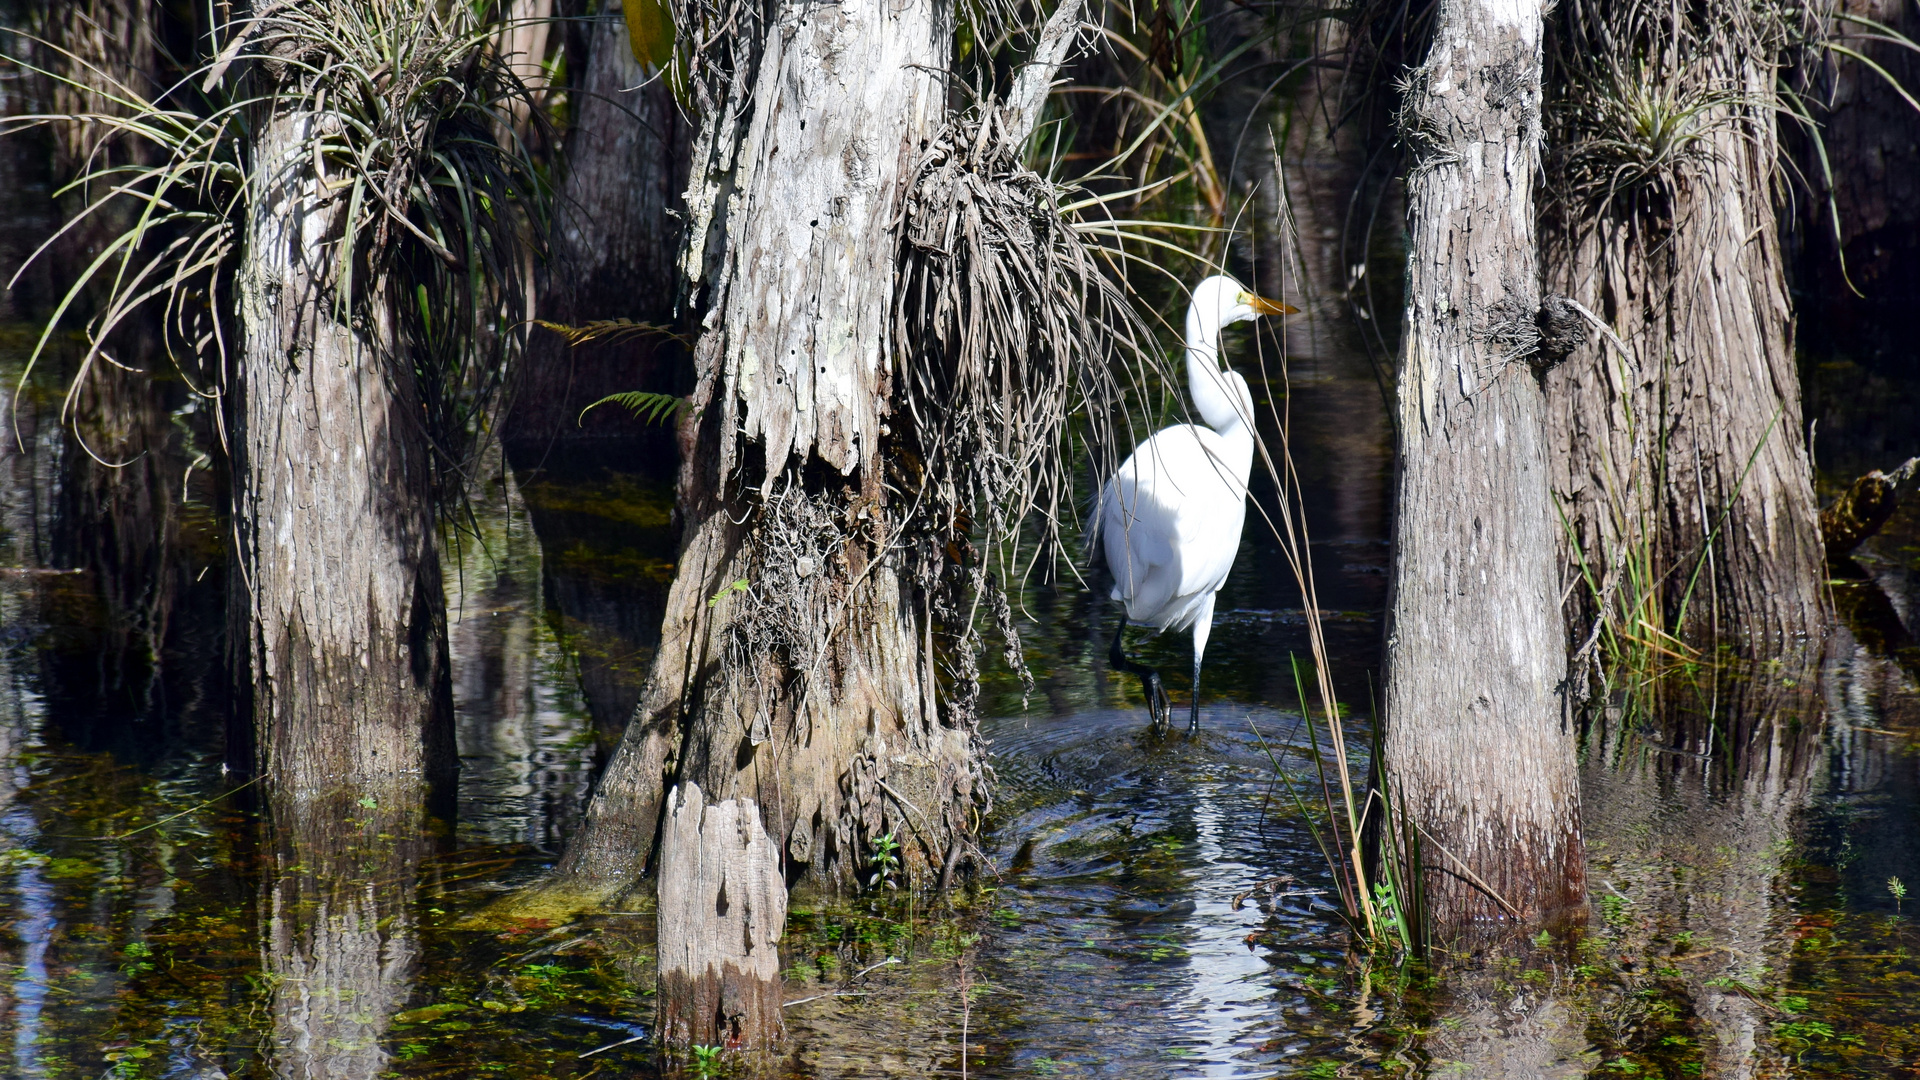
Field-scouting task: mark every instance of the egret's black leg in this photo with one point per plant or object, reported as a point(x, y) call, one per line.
point(1193, 722)
point(1202, 630)
point(1159, 705)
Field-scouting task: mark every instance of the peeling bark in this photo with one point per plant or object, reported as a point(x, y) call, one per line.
point(338, 611)
point(1478, 751)
point(790, 720)
point(843, 102)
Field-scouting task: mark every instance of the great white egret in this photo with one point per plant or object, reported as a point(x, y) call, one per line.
point(1169, 520)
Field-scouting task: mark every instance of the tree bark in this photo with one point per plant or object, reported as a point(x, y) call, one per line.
point(791, 709)
point(1479, 753)
point(1687, 456)
point(336, 602)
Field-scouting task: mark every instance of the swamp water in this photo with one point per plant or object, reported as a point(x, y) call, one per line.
point(1748, 877)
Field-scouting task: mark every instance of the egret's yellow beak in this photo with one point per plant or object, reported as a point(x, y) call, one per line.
point(1265, 306)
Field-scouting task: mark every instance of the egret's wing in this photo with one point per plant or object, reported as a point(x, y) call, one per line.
point(1210, 508)
point(1171, 522)
point(1138, 533)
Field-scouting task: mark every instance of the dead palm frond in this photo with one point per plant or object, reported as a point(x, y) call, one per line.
point(1010, 328)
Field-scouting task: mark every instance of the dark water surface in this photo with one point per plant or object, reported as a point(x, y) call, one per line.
point(1748, 879)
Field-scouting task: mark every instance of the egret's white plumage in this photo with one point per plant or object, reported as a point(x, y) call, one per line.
point(1169, 520)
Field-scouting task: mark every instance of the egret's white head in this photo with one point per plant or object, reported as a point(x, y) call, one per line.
point(1220, 301)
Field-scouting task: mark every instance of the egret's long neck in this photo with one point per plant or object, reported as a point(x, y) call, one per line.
point(1218, 399)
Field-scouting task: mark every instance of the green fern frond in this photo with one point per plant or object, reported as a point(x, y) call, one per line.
point(651, 408)
point(607, 331)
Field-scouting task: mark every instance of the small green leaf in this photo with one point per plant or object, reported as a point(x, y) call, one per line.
point(369, 802)
point(650, 31)
point(649, 407)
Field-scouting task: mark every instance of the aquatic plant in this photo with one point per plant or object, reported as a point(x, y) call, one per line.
point(883, 859)
point(705, 1060)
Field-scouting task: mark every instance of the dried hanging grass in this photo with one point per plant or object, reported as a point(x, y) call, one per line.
point(1009, 331)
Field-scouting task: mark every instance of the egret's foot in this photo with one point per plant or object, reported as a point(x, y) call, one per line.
point(1159, 702)
point(1193, 721)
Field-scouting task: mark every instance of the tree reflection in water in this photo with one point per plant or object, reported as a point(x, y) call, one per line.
point(340, 933)
point(1690, 817)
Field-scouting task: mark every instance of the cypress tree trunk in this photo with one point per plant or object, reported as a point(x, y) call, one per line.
point(122, 466)
point(338, 613)
point(1681, 465)
point(1479, 753)
point(789, 723)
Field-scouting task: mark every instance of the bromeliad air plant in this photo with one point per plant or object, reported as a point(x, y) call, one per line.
point(436, 203)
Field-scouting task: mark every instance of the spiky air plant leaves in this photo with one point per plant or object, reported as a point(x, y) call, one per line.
point(1637, 136)
point(1644, 89)
point(439, 204)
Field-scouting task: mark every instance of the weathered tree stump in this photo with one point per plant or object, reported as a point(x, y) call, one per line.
point(723, 905)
